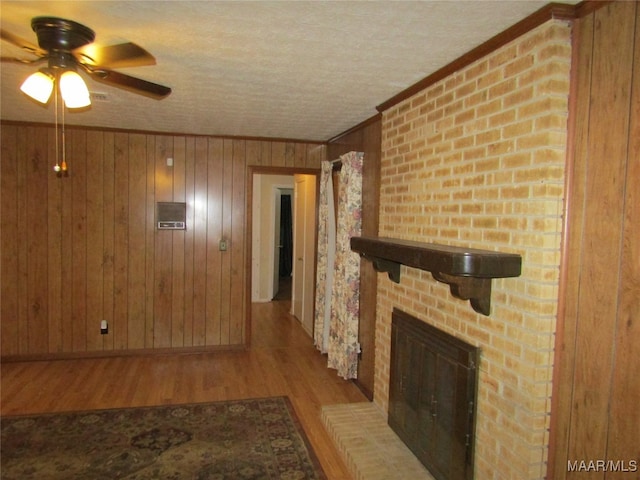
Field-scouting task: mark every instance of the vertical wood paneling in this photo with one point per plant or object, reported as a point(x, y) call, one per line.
point(290, 154)
point(22, 237)
point(576, 175)
point(237, 313)
point(189, 267)
point(226, 257)
point(108, 222)
point(95, 238)
point(163, 251)
point(624, 415)
point(36, 224)
point(25, 139)
point(76, 159)
point(55, 249)
point(595, 414)
point(215, 196)
point(137, 242)
point(122, 328)
point(146, 340)
point(84, 247)
point(253, 152)
point(299, 155)
point(610, 97)
point(278, 155)
point(178, 250)
point(9, 331)
point(266, 153)
point(200, 263)
point(66, 257)
point(315, 155)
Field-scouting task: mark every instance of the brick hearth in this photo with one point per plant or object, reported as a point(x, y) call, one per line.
point(371, 450)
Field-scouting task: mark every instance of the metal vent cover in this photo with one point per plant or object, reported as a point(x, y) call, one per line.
point(171, 215)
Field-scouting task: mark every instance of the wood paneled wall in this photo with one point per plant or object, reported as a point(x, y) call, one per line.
point(595, 415)
point(83, 248)
point(366, 138)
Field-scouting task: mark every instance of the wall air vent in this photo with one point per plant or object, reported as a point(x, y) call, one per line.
point(99, 97)
point(171, 215)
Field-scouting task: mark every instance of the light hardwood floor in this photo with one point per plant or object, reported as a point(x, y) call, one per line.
point(281, 361)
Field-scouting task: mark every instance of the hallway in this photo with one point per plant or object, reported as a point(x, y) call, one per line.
point(284, 289)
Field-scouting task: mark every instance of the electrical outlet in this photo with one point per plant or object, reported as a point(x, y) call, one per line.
point(104, 327)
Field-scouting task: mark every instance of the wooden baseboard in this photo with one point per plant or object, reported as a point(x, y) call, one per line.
point(119, 353)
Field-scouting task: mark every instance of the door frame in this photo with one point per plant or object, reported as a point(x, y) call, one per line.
point(253, 170)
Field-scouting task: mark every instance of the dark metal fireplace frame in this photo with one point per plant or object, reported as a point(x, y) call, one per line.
point(432, 395)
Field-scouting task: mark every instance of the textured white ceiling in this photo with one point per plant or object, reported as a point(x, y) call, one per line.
point(284, 69)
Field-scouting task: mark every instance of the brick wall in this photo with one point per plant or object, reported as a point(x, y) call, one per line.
point(478, 160)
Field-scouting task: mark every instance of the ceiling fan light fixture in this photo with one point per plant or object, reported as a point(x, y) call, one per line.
point(74, 91)
point(38, 86)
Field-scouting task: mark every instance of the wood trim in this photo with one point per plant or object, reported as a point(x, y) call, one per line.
point(369, 121)
point(552, 11)
point(170, 134)
point(259, 170)
point(589, 6)
point(140, 352)
point(565, 251)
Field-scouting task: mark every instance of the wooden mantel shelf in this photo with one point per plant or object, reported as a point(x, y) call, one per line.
point(467, 271)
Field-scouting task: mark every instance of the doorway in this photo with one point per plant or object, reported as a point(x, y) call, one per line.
point(273, 192)
point(283, 253)
point(268, 190)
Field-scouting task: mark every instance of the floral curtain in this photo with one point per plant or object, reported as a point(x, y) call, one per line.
point(343, 347)
point(326, 256)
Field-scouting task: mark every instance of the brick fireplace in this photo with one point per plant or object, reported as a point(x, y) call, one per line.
point(477, 160)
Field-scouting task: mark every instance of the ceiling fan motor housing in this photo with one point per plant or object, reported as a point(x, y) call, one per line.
point(58, 34)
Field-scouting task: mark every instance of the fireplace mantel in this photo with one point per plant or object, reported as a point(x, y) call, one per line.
point(467, 271)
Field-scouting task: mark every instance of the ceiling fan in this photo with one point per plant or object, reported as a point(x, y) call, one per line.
point(65, 45)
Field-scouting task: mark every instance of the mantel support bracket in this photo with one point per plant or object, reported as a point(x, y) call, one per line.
point(390, 267)
point(476, 290)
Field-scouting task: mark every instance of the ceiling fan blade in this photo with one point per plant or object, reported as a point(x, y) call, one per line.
point(128, 82)
point(22, 43)
point(114, 56)
point(23, 61)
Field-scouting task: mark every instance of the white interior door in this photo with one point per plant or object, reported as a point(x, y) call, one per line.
point(298, 245)
point(310, 228)
point(304, 238)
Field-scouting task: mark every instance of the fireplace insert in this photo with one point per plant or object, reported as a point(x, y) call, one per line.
point(432, 395)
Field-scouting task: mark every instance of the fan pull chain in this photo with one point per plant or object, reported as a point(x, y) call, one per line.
point(63, 166)
point(56, 167)
point(60, 167)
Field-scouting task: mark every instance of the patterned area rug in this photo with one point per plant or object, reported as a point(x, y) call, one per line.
point(244, 439)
